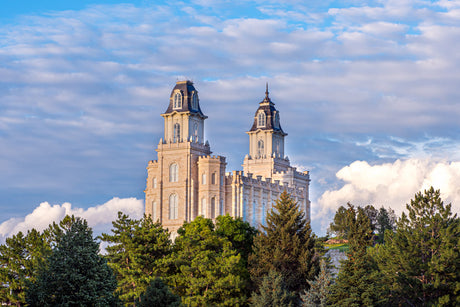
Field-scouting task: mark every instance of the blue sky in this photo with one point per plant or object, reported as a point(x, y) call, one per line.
point(367, 90)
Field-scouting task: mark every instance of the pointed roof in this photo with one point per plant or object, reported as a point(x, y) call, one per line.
point(271, 115)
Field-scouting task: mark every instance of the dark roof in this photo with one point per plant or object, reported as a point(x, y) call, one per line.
point(268, 107)
point(187, 90)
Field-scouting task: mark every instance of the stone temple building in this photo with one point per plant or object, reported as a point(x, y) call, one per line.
point(187, 181)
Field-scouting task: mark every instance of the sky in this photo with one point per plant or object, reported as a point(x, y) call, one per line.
point(368, 92)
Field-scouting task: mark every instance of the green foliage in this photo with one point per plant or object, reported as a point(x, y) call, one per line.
point(285, 246)
point(204, 268)
point(421, 260)
point(158, 294)
point(386, 220)
point(20, 258)
point(339, 225)
point(76, 274)
point(273, 292)
point(136, 246)
point(319, 290)
point(358, 282)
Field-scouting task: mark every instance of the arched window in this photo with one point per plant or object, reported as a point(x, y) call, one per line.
point(203, 207)
point(173, 208)
point(277, 120)
point(177, 101)
point(213, 207)
point(203, 178)
point(213, 178)
point(154, 211)
point(260, 148)
point(261, 119)
point(176, 136)
point(173, 173)
point(195, 101)
point(154, 182)
point(195, 131)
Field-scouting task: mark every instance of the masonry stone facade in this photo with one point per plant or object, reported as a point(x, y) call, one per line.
point(187, 181)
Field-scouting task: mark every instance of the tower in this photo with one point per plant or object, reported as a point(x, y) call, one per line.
point(266, 142)
point(178, 188)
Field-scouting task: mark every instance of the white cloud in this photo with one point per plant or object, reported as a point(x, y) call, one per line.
point(99, 217)
point(390, 185)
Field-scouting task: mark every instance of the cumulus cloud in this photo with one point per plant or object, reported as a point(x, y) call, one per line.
point(390, 185)
point(99, 217)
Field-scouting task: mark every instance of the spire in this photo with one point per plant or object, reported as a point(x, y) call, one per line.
point(266, 99)
point(266, 91)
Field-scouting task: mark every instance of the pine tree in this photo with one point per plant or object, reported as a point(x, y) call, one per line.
point(158, 294)
point(76, 275)
point(358, 282)
point(135, 248)
point(204, 268)
point(319, 290)
point(421, 260)
point(273, 292)
point(285, 246)
point(20, 258)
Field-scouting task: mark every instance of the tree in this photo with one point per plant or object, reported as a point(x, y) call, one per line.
point(135, 248)
point(319, 290)
point(338, 226)
point(421, 260)
point(285, 246)
point(204, 268)
point(273, 292)
point(385, 221)
point(358, 282)
point(76, 275)
point(372, 214)
point(20, 258)
point(158, 294)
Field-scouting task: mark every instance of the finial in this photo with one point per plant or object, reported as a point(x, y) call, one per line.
point(266, 91)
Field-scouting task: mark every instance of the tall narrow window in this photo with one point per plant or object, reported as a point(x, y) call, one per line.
point(177, 101)
point(261, 119)
point(245, 209)
point(173, 208)
point(173, 173)
point(176, 132)
point(221, 211)
point(213, 207)
point(195, 131)
point(195, 101)
point(203, 178)
point(154, 211)
point(154, 182)
point(213, 178)
point(263, 214)
point(260, 148)
point(254, 208)
point(203, 207)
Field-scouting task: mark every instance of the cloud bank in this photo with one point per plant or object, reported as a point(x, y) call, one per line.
point(390, 185)
point(99, 217)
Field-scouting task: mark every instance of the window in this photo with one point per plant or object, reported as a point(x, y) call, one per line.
point(263, 214)
point(176, 135)
point(173, 208)
point(222, 179)
point(154, 211)
point(203, 207)
point(177, 101)
point(203, 178)
point(260, 148)
point(254, 205)
point(154, 182)
point(195, 101)
point(173, 173)
point(213, 178)
point(277, 120)
point(221, 207)
point(261, 119)
point(195, 131)
point(213, 207)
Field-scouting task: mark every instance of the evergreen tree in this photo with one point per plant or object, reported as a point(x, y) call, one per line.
point(319, 290)
point(204, 268)
point(20, 258)
point(273, 292)
point(421, 260)
point(339, 226)
point(135, 247)
point(358, 282)
point(385, 221)
point(158, 294)
point(76, 274)
point(285, 246)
